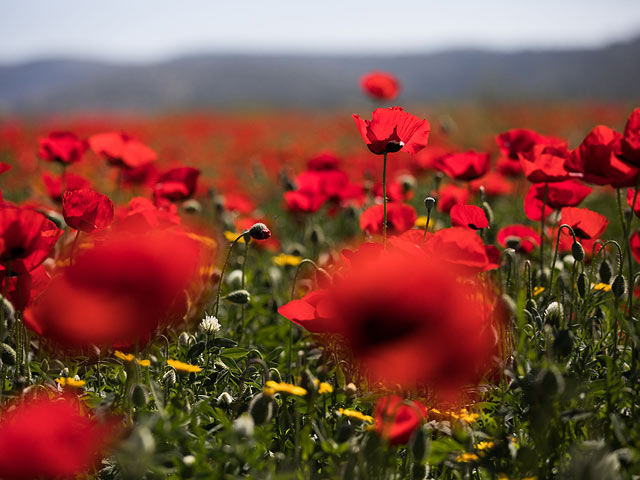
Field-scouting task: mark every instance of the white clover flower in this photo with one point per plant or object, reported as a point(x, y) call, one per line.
point(210, 324)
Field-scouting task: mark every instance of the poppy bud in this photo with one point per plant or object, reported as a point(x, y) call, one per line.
point(261, 408)
point(8, 311)
point(513, 242)
point(619, 286)
point(488, 211)
point(239, 297)
point(350, 389)
point(8, 355)
point(582, 285)
point(259, 231)
point(192, 206)
point(316, 236)
point(234, 278)
point(554, 313)
point(224, 399)
point(408, 183)
point(429, 202)
point(605, 272)
point(169, 379)
point(139, 396)
point(243, 426)
point(577, 251)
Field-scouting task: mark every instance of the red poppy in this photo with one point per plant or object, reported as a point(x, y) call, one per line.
point(634, 243)
point(520, 140)
point(409, 321)
point(395, 192)
point(176, 184)
point(62, 147)
point(51, 439)
point(392, 130)
point(462, 248)
point(396, 421)
point(303, 202)
point(141, 215)
point(596, 161)
point(495, 185)
point(323, 161)
point(87, 210)
point(451, 195)
point(121, 150)
point(464, 165)
point(468, 216)
point(630, 195)
point(545, 163)
point(310, 312)
point(519, 237)
point(585, 223)
point(238, 202)
point(26, 238)
point(560, 194)
point(427, 158)
point(381, 85)
point(400, 218)
point(55, 188)
point(4, 167)
point(24, 288)
point(630, 144)
point(125, 285)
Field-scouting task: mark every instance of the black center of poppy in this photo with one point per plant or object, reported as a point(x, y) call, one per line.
point(17, 251)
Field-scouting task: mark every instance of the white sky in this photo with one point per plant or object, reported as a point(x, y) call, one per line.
point(150, 30)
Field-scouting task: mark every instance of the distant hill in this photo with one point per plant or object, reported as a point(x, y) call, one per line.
point(289, 81)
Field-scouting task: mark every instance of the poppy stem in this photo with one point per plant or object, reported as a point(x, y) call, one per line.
point(426, 227)
point(384, 200)
point(627, 251)
point(544, 205)
point(73, 247)
point(244, 263)
point(224, 267)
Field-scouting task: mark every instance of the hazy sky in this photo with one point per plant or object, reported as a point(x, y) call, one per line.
point(149, 30)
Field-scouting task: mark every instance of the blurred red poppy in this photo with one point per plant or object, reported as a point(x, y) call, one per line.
point(142, 215)
point(51, 439)
point(634, 243)
point(400, 218)
point(396, 421)
point(176, 184)
point(392, 130)
point(585, 223)
point(630, 144)
point(87, 210)
point(238, 202)
point(26, 238)
point(121, 150)
point(125, 285)
point(381, 85)
point(24, 288)
point(495, 185)
point(468, 216)
point(464, 165)
point(462, 248)
point(55, 188)
point(545, 163)
point(596, 160)
point(451, 195)
point(568, 193)
point(519, 237)
point(62, 147)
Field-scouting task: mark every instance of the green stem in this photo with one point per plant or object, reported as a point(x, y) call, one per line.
point(555, 255)
point(384, 200)
point(544, 206)
point(224, 267)
point(426, 227)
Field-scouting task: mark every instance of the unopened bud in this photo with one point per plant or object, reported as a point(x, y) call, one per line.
point(429, 202)
point(192, 206)
point(350, 389)
point(243, 426)
point(316, 236)
point(224, 399)
point(582, 285)
point(139, 396)
point(619, 286)
point(259, 231)
point(605, 272)
point(554, 313)
point(8, 355)
point(169, 378)
point(239, 297)
point(577, 251)
point(261, 408)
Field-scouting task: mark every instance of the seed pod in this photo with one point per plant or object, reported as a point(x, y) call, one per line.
point(8, 355)
point(582, 285)
point(619, 286)
point(430, 202)
point(239, 297)
point(605, 272)
point(577, 251)
point(139, 396)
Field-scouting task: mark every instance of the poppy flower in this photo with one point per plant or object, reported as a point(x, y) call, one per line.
point(380, 85)
point(634, 243)
point(310, 312)
point(26, 238)
point(400, 218)
point(427, 158)
point(55, 188)
point(24, 288)
point(596, 160)
point(630, 144)
point(396, 421)
point(451, 195)
point(515, 142)
point(630, 195)
point(461, 248)
point(395, 192)
point(142, 215)
point(519, 237)
point(125, 285)
point(51, 439)
point(176, 184)
point(87, 210)
point(468, 216)
point(393, 130)
point(303, 201)
point(323, 161)
point(495, 185)
point(238, 202)
point(121, 150)
point(62, 147)
point(409, 321)
point(568, 193)
point(464, 165)
point(585, 223)
point(4, 167)
point(545, 163)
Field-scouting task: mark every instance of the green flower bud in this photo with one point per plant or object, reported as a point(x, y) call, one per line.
point(8, 355)
point(619, 286)
point(139, 396)
point(605, 272)
point(582, 285)
point(239, 297)
point(577, 251)
point(261, 409)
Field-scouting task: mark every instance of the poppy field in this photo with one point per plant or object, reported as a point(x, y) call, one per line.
point(398, 292)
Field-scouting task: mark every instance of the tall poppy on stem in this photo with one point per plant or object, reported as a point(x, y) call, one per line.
point(392, 130)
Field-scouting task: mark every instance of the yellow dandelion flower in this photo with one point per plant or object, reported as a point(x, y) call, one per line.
point(284, 260)
point(231, 236)
point(70, 382)
point(422, 221)
point(183, 367)
point(537, 291)
point(483, 445)
point(465, 416)
point(127, 357)
point(143, 363)
point(323, 387)
point(605, 287)
point(467, 458)
point(271, 388)
point(356, 414)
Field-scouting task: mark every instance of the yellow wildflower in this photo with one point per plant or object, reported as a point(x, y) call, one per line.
point(205, 241)
point(184, 367)
point(143, 363)
point(271, 388)
point(356, 414)
point(483, 445)
point(465, 416)
point(70, 382)
point(602, 286)
point(231, 236)
point(422, 221)
point(128, 357)
point(323, 387)
point(467, 458)
point(284, 260)
point(537, 291)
